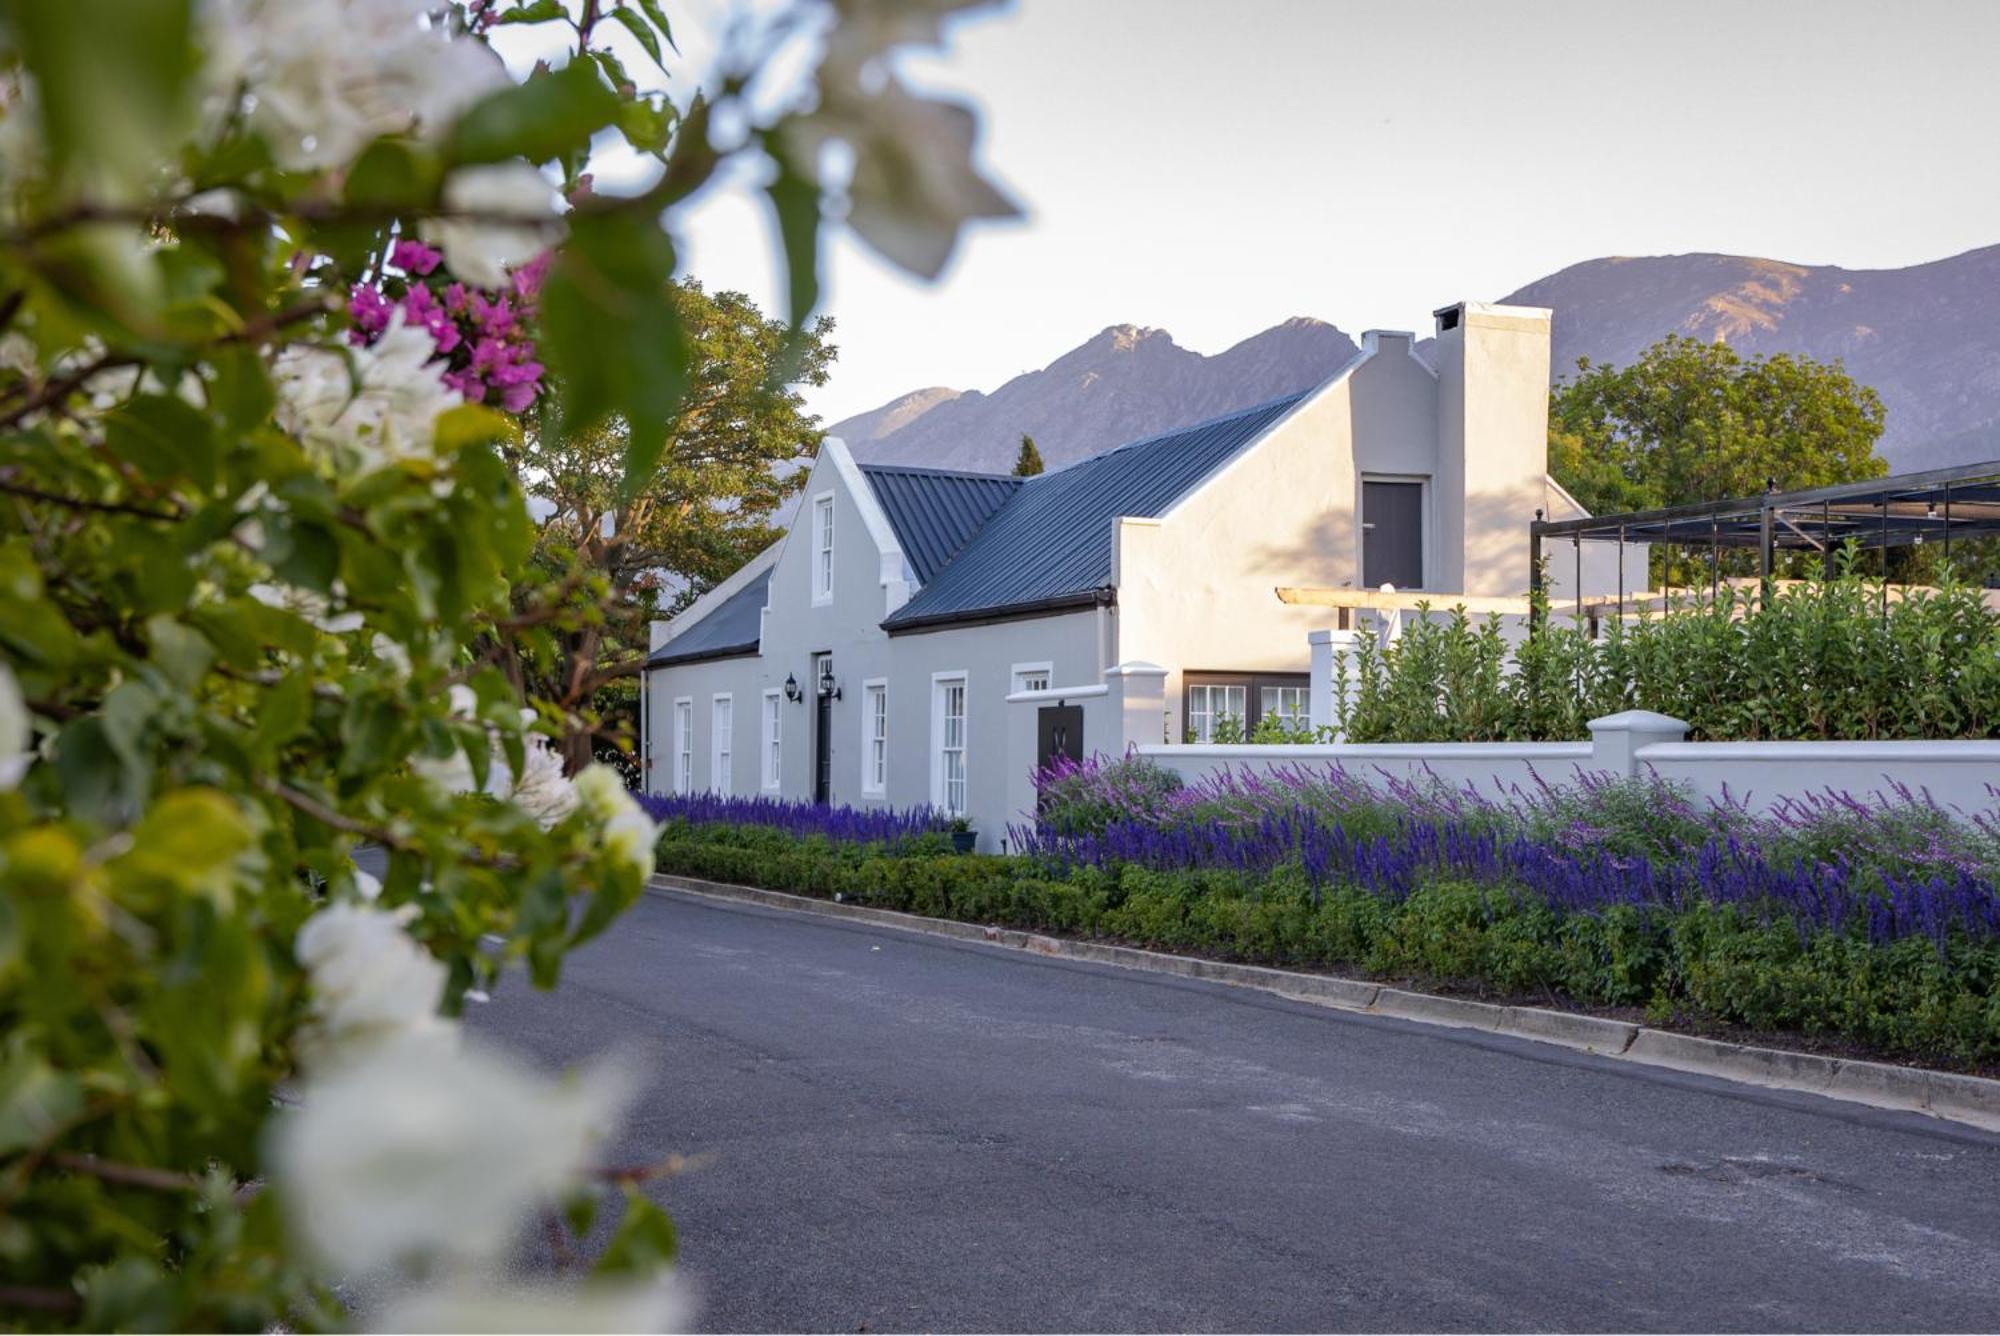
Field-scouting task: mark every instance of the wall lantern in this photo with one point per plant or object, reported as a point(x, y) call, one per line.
point(828, 688)
point(791, 689)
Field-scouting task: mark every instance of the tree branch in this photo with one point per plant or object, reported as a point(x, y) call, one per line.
point(124, 1175)
point(83, 503)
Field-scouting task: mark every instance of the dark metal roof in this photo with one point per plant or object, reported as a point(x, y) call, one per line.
point(1049, 547)
point(935, 512)
point(730, 628)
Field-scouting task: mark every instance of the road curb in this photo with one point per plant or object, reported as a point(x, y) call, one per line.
point(1949, 1096)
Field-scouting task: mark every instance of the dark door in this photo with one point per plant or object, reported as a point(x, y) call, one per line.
point(1058, 732)
point(822, 728)
point(1392, 534)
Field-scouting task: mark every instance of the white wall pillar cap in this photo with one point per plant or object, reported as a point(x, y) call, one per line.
point(1638, 721)
point(1135, 668)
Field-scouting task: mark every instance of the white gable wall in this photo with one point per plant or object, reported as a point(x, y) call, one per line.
point(1196, 587)
point(871, 579)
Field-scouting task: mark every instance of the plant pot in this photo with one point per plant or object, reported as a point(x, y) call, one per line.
point(963, 840)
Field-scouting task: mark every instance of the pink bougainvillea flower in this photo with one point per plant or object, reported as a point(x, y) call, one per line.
point(370, 311)
point(467, 383)
point(420, 307)
point(527, 280)
point(415, 257)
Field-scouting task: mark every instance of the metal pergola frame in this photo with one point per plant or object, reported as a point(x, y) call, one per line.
point(1902, 510)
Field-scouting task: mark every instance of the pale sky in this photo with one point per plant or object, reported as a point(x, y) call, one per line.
point(1213, 168)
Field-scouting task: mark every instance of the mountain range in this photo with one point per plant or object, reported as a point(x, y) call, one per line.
point(1925, 337)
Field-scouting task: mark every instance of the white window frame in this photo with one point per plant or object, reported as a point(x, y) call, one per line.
point(1045, 668)
point(822, 549)
point(771, 740)
point(941, 683)
point(722, 747)
point(683, 745)
point(1204, 733)
point(1426, 509)
point(874, 748)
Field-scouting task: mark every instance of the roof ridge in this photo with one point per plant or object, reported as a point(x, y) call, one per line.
point(927, 471)
point(1216, 421)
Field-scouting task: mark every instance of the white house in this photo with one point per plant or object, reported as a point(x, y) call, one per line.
point(868, 656)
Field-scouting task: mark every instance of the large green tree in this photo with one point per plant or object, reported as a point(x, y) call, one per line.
point(1692, 421)
point(731, 459)
point(1028, 462)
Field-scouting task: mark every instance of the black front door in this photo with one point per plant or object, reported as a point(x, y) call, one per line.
point(1059, 732)
point(822, 728)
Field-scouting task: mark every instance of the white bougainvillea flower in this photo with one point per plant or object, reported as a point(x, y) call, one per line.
point(477, 1305)
point(482, 252)
point(542, 791)
point(312, 606)
point(629, 838)
point(372, 983)
point(602, 792)
point(17, 734)
point(629, 834)
point(365, 407)
point(407, 1155)
point(320, 80)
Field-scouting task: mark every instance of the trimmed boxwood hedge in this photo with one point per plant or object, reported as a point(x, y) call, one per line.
point(1705, 966)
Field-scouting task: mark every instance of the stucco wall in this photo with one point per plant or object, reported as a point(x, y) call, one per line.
point(1196, 586)
point(795, 629)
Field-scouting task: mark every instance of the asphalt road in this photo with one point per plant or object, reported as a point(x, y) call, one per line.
point(913, 1134)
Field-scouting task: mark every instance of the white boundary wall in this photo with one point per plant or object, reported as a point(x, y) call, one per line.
point(1123, 713)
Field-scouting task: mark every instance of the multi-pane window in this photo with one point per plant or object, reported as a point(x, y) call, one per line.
point(1209, 704)
point(722, 713)
point(875, 732)
point(950, 733)
point(773, 737)
point(1228, 707)
point(1288, 705)
point(683, 745)
point(1031, 678)
point(823, 549)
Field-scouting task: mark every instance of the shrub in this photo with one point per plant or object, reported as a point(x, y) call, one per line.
point(1821, 659)
point(1077, 798)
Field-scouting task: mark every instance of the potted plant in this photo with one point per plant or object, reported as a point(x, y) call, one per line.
point(963, 836)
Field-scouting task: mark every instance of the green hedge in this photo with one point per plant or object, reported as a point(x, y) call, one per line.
point(1702, 967)
point(1818, 660)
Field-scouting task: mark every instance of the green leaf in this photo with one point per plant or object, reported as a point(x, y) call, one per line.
point(550, 114)
point(395, 172)
point(644, 1241)
point(241, 390)
point(647, 126)
point(164, 438)
point(538, 11)
point(474, 424)
point(35, 1099)
point(659, 18)
point(641, 33)
point(283, 713)
point(796, 199)
point(113, 82)
point(613, 337)
point(182, 654)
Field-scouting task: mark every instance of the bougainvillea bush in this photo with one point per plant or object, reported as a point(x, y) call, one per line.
point(280, 283)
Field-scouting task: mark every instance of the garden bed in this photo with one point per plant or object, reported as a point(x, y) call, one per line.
point(1842, 926)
